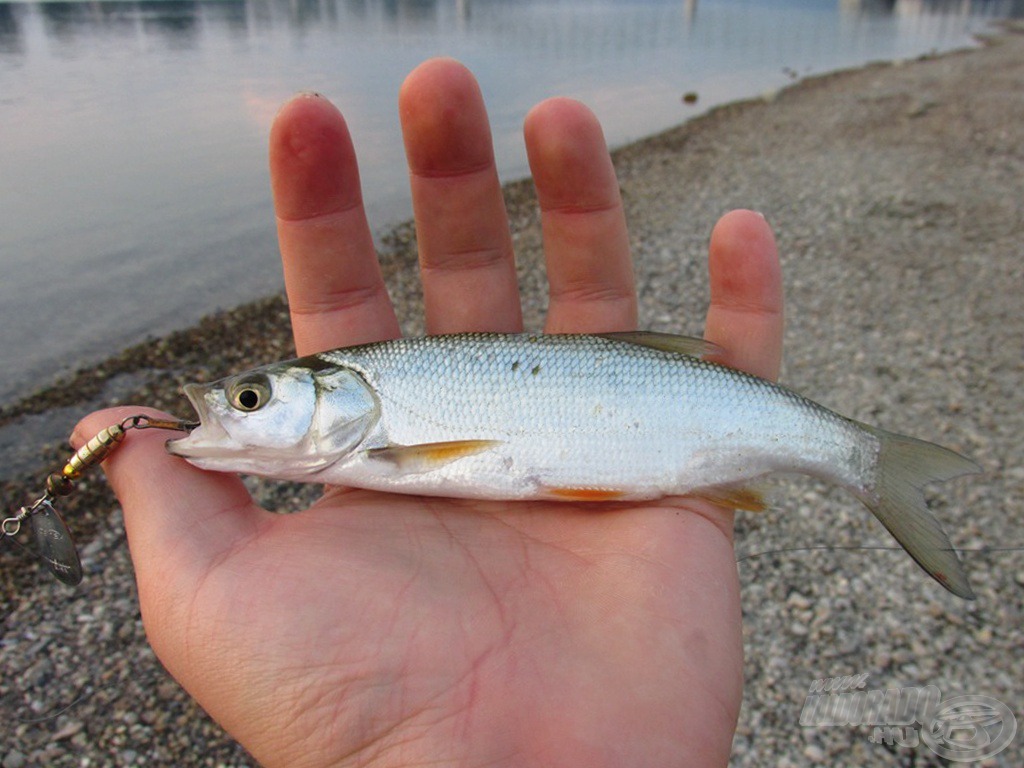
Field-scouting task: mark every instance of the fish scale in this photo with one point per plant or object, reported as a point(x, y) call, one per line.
point(625, 416)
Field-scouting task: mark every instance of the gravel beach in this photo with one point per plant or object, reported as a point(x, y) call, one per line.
point(897, 195)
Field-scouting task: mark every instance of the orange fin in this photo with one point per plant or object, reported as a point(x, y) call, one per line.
point(427, 456)
point(733, 497)
point(584, 494)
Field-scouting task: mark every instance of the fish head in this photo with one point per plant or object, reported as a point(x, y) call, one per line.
point(286, 421)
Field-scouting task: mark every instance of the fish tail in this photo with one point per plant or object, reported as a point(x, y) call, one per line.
point(905, 466)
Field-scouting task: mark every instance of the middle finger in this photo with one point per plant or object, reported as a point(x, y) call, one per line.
point(466, 259)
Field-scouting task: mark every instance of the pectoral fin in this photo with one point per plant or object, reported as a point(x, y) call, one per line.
point(427, 456)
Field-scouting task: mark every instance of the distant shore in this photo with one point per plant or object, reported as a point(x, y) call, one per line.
point(895, 192)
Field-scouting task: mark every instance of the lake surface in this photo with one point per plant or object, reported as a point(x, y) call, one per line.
point(134, 193)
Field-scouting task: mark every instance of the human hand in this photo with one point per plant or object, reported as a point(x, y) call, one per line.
point(381, 629)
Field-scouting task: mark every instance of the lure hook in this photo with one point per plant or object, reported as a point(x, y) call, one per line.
point(142, 421)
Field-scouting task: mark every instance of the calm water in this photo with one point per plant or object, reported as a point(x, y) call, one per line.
point(133, 185)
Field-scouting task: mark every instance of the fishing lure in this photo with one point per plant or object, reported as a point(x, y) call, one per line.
point(54, 543)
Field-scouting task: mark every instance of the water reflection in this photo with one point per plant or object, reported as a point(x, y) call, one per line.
point(135, 132)
point(549, 24)
point(10, 37)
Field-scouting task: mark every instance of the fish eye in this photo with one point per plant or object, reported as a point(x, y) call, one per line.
point(250, 394)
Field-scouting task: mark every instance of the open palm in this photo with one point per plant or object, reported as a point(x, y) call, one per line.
point(399, 630)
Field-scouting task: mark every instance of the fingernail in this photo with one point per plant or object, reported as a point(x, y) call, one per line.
point(312, 95)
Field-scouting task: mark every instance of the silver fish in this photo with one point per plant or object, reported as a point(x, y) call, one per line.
point(620, 416)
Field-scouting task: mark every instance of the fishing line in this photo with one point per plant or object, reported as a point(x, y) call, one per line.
point(867, 548)
point(83, 696)
point(33, 553)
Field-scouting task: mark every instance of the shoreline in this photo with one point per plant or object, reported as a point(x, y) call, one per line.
point(895, 194)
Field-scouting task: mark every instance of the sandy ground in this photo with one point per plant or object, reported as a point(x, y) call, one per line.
point(897, 192)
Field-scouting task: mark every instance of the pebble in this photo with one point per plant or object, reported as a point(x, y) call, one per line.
point(796, 600)
point(814, 753)
point(168, 689)
point(69, 729)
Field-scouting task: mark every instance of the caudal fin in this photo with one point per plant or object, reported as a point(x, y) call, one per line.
point(905, 466)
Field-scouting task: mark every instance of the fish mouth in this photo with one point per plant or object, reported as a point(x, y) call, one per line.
point(206, 440)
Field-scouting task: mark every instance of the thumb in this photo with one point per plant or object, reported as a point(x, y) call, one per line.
point(179, 519)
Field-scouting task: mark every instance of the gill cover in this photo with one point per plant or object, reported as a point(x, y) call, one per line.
point(347, 408)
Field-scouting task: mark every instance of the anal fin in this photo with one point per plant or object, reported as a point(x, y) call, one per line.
point(584, 494)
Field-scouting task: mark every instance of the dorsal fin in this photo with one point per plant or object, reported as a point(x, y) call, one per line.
point(665, 342)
